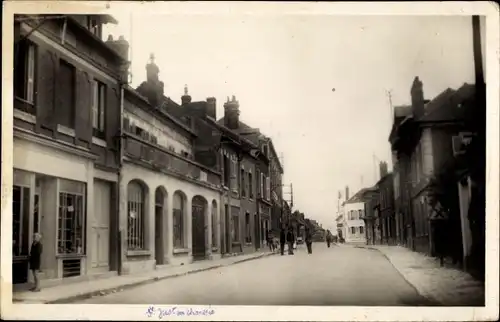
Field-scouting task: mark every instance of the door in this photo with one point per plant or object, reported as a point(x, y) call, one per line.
point(256, 226)
point(20, 233)
point(198, 226)
point(100, 225)
point(228, 228)
point(159, 200)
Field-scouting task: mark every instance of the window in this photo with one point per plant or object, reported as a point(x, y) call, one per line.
point(66, 94)
point(214, 224)
point(20, 220)
point(71, 232)
point(24, 74)
point(353, 230)
point(234, 174)
point(360, 214)
point(265, 150)
point(262, 183)
point(235, 228)
point(227, 171)
point(94, 26)
point(248, 232)
point(136, 216)
point(243, 184)
point(250, 185)
point(268, 188)
point(98, 108)
point(178, 221)
point(361, 231)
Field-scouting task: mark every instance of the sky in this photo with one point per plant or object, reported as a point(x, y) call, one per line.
point(283, 70)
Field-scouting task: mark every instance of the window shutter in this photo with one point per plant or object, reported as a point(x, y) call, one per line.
point(262, 185)
point(83, 124)
point(46, 86)
point(102, 106)
point(95, 102)
point(268, 188)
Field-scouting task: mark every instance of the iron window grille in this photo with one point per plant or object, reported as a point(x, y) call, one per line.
point(136, 227)
point(70, 239)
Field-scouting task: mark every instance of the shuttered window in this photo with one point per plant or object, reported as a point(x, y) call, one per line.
point(24, 74)
point(268, 188)
point(66, 93)
point(98, 108)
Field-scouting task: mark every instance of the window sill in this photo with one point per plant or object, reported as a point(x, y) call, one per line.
point(70, 256)
point(132, 253)
point(24, 116)
point(181, 251)
point(65, 130)
point(99, 142)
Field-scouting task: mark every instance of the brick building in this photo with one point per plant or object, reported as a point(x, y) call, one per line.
point(67, 98)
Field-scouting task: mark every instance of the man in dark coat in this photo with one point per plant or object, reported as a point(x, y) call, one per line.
point(290, 238)
point(35, 259)
point(309, 239)
point(282, 240)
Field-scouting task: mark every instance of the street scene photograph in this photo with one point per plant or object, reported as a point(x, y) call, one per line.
point(248, 159)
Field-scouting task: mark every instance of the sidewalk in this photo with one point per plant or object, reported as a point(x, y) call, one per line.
point(77, 291)
point(446, 285)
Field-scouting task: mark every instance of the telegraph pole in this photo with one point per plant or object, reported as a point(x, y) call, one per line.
point(391, 117)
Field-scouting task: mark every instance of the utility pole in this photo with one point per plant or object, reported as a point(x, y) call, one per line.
point(391, 117)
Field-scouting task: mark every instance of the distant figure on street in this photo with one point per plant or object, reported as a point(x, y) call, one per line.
point(270, 240)
point(328, 238)
point(290, 238)
point(282, 240)
point(309, 239)
point(35, 259)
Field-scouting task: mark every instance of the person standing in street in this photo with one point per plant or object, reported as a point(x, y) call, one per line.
point(35, 259)
point(270, 242)
point(282, 240)
point(309, 240)
point(290, 238)
point(328, 238)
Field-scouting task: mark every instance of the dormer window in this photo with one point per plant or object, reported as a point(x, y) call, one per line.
point(94, 26)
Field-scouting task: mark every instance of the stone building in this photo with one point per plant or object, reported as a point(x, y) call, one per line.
point(387, 220)
point(67, 98)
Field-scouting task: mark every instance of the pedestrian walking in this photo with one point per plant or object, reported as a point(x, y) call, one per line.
point(290, 238)
point(328, 238)
point(282, 240)
point(309, 239)
point(35, 259)
point(270, 238)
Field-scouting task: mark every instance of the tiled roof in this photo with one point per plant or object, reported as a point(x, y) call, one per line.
point(447, 105)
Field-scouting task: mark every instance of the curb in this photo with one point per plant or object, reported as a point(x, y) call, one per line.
point(431, 300)
point(150, 280)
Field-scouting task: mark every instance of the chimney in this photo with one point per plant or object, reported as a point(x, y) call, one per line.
point(211, 107)
point(347, 193)
point(417, 98)
point(120, 46)
point(154, 90)
point(232, 113)
point(383, 169)
point(186, 98)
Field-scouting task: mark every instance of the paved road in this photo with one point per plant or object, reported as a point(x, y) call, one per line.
point(341, 275)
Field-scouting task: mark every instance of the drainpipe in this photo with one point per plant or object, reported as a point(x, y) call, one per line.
point(120, 178)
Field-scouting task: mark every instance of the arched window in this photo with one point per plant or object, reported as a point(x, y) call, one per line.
point(214, 224)
point(178, 220)
point(136, 216)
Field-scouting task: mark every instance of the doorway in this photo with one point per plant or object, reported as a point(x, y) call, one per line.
point(100, 256)
point(159, 209)
point(256, 226)
point(199, 206)
point(228, 228)
point(20, 233)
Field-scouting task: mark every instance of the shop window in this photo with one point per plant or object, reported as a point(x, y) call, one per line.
point(178, 220)
point(70, 237)
point(24, 74)
point(136, 216)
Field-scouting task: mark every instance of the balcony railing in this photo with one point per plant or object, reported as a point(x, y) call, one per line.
point(162, 159)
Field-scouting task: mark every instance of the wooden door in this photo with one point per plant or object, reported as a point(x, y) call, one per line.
point(100, 225)
point(198, 234)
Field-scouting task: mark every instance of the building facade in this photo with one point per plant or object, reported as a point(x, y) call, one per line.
point(67, 98)
point(371, 197)
point(386, 206)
